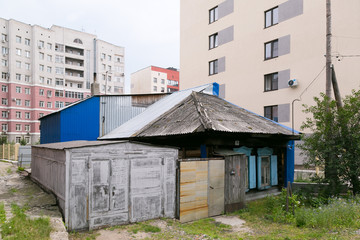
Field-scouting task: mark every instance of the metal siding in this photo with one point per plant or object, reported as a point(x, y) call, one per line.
point(113, 119)
point(50, 131)
point(289, 162)
point(80, 122)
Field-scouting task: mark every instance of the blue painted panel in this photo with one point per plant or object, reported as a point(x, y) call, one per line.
point(273, 171)
point(265, 151)
point(259, 173)
point(289, 163)
point(215, 89)
point(50, 130)
point(244, 150)
point(203, 151)
point(81, 121)
point(252, 172)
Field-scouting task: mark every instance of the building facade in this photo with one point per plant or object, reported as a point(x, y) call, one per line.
point(155, 80)
point(267, 53)
point(44, 69)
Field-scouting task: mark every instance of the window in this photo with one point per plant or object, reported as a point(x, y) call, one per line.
point(18, 89)
point(162, 81)
point(118, 59)
point(41, 56)
point(271, 112)
point(49, 93)
point(48, 69)
point(4, 75)
point(79, 85)
point(49, 46)
point(162, 89)
point(41, 104)
point(27, 115)
point(18, 51)
point(213, 67)
point(4, 37)
point(27, 66)
point(59, 93)
point(41, 115)
point(4, 101)
point(271, 49)
point(4, 88)
point(27, 78)
point(77, 40)
point(109, 57)
point(41, 92)
point(27, 129)
point(103, 66)
point(18, 76)
point(41, 79)
point(265, 171)
point(18, 39)
point(41, 44)
point(4, 127)
point(103, 56)
point(49, 81)
point(18, 102)
point(27, 103)
point(213, 41)
point(4, 63)
point(4, 114)
point(18, 64)
point(109, 68)
point(49, 105)
point(27, 41)
point(213, 14)
point(49, 58)
point(27, 90)
point(155, 88)
point(18, 127)
point(41, 67)
point(59, 59)
point(27, 54)
point(271, 82)
point(59, 104)
point(18, 114)
point(109, 78)
point(155, 80)
point(59, 82)
point(17, 139)
point(59, 70)
point(4, 50)
point(271, 17)
point(59, 47)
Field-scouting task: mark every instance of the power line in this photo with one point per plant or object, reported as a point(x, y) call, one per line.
point(312, 82)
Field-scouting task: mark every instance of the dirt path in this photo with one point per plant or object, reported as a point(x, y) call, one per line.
point(18, 188)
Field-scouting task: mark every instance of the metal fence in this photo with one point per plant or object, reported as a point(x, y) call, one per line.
point(24, 159)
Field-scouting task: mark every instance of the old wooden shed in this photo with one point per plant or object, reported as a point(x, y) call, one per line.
point(100, 183)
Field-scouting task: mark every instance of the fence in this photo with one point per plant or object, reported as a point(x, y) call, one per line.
point(9, 151)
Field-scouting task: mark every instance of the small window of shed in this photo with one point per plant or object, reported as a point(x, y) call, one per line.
point(77, 40)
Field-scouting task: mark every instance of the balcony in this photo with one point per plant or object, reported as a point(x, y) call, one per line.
point(74, 64)
point(74, 75)
point(74, 52)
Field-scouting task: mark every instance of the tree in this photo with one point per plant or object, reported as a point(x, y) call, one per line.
point(335, 140)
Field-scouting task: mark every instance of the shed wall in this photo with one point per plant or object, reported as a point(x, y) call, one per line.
point(80, 122)
point(48, 168)
point(50, 129)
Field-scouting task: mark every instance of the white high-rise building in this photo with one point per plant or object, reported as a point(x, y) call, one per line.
point(44, 69)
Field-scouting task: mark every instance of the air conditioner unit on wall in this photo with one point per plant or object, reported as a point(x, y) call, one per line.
point(293, 83)
point(14, 99)
point(3, 41)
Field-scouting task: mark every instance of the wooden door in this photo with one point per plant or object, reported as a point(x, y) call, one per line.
point(193, 190)
point(216, 187)
point(235, 182)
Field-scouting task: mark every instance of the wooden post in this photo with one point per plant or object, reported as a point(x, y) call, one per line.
point(8, 151)
point(3, 148)
point(16, 153)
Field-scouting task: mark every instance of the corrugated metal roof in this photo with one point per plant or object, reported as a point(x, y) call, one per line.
point(132, 126)
point(201, 112)
point(75, 144)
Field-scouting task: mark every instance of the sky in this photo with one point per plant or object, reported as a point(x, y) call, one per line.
point(148, 29)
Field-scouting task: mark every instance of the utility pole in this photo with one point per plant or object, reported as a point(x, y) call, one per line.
point(328, 48)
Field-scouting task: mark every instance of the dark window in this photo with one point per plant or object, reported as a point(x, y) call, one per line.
point(213, 41)
point(271, 82)
point(271, 112)
point(213, 14)
point(213, 67)
point(271, 17)
point(271, 49)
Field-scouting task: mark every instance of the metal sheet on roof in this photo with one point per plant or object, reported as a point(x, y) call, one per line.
point(75, 144)
point(129, 128)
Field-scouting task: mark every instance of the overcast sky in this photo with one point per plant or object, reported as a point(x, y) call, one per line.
point(148, 29)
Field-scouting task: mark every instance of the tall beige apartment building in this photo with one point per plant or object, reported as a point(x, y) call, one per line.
point(44, 69)
point(267, 53)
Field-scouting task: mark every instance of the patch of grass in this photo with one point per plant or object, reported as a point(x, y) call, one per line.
point(83, 235)
point(9, 170)
point(143, 227)
point(13, 190)
point(20, 169)
point(2, 213)
point(208, 227)
point(20, 227)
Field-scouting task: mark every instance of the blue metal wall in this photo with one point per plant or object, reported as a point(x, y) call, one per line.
point(50, 128)
point(81, 121)
point(289, 163)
